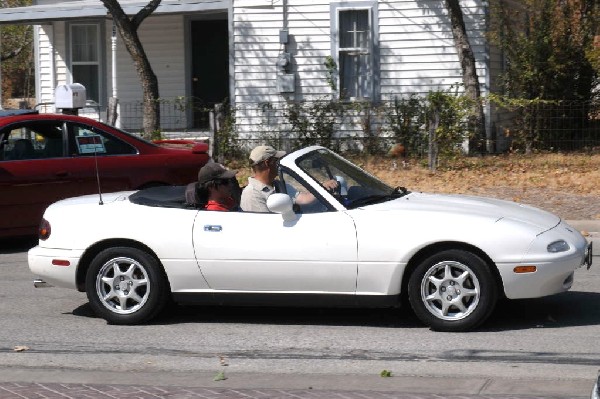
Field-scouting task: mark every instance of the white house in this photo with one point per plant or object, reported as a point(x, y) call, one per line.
point(259, 54)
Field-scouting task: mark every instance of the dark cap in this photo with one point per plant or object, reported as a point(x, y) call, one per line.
point(212, 171)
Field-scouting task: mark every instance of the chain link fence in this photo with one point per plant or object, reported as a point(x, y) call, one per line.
point(402, 126)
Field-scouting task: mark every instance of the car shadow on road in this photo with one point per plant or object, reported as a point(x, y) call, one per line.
point(569, 309)
point(291, 316)
point(15, 245)
point(181, 314)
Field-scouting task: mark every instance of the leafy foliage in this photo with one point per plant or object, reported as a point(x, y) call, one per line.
point(547, 46)
point(551, 49)
point(332, 72)
point(313, 123)
point(17, 56)
point(227, 136)
point(405, 118)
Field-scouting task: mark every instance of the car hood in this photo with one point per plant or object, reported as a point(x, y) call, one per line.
point(473, 206)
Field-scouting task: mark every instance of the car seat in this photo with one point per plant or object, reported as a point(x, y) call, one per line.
point(53, 148)
point(22, 149)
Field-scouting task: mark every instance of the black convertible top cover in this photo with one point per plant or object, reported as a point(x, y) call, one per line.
point(163, 197)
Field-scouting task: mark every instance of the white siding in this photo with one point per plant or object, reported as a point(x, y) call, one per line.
point(163, 39)
point(45, 72)
point(164, 43)
point(51, 58)
point(417, 52)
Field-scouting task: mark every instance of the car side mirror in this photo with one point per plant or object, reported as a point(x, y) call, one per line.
point(281, 203)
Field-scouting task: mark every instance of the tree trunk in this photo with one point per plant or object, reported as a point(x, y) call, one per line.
point(128, 31)
point(470, 78)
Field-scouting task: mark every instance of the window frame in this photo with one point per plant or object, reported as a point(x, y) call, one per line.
point(373, 41)
point(100, 55)
point(72, 128)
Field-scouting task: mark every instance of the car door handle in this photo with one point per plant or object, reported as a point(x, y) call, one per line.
point(62, 173)
point(212, 227)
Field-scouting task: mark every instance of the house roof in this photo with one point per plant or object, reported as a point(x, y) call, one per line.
point(79, 9)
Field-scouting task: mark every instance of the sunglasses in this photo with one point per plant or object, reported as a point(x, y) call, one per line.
point(223, 182)
point(272, 161)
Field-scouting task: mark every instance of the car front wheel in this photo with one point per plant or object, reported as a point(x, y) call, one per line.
point(453, 290)
point(126, 286)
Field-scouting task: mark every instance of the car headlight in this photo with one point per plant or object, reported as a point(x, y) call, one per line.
point(558, 246)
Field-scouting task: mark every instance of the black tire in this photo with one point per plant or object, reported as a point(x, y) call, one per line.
point(126, 286)
point(453, 290)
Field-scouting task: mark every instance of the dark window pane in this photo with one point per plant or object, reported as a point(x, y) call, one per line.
point(87, 75)
point(354, 29)
point(354, 54)
point(354, 75)
point(84, 43)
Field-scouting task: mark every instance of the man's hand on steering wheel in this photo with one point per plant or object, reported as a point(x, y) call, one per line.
point(332, 185)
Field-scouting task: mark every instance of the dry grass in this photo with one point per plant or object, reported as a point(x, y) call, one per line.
point(578, 174)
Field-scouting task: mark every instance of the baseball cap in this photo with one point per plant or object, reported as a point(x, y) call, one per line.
point(212, 171)
point(264, 152)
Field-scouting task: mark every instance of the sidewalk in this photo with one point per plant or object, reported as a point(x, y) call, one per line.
point(591, 229)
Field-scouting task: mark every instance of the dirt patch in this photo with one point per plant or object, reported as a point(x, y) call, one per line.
point(567, 185)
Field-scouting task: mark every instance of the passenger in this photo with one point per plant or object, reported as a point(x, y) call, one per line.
point(215, 187)
point(264, 161)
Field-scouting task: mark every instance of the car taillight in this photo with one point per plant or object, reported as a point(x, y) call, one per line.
point(44, 230)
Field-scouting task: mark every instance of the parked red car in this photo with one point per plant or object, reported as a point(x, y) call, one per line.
point(47, 157)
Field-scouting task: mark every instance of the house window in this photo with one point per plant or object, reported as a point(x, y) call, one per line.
point(354, 54)
point(85, 58)
point(355, 47)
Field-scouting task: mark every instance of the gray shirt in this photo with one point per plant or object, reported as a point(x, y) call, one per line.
point(255, 194)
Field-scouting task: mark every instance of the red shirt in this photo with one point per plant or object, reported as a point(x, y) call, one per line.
point(212, 205)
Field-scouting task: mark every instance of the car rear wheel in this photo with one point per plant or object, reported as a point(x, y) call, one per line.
point(126, 286)
point(453, 290)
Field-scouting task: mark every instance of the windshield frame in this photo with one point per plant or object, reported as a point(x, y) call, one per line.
point(357, 187)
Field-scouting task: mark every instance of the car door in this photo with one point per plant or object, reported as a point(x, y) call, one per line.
point(245, 251)
point(98, 155)
point(33, 173)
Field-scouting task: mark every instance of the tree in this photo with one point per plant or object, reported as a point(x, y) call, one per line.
point(469, 72)
point(16, 43)
point(549, 77)
point(546, 45)
point(127, 28)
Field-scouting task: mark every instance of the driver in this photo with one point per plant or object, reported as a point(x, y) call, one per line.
point(264, 161)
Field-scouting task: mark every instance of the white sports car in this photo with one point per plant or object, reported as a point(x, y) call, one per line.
point(363, 245)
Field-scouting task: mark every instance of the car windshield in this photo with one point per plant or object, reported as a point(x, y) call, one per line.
point(355, 186)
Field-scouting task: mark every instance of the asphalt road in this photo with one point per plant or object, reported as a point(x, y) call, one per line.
point(548, 347)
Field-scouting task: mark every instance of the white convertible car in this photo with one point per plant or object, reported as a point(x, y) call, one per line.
point(364, 245)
